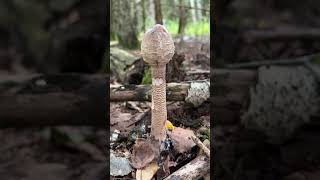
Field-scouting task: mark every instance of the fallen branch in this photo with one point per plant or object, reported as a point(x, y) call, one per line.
point(195, 169)
point(201, 145)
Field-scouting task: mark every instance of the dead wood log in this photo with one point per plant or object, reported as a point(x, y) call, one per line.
point(198, 167)
point(63, 99)
point(125, 67)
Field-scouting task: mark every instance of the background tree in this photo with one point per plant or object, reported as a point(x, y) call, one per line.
point(158, 13)
point(143, 9)
point(124, 23)
point(182, 17)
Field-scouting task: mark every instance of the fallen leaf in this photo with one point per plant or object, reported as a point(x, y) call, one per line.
point(147, 172)
point(181, 138)
point(142, 154)
point(124, 122)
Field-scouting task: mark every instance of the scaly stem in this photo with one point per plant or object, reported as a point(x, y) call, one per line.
point(159, 106)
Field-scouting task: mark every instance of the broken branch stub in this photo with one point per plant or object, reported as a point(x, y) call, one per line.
point(157, 49)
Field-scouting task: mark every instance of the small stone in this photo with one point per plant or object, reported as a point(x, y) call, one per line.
point(119, 166)
point(115, 135)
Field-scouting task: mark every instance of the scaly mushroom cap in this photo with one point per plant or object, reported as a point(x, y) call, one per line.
point(157, 46)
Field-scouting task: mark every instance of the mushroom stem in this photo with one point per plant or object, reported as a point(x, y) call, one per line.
point(159, 106)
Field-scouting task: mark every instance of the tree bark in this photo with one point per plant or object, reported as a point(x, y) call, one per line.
point(63, 99)
point(158, 13)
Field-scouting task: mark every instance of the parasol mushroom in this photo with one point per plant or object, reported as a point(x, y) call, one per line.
point(157, 49)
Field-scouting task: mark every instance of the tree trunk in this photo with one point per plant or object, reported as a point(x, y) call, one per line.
point(143, 15)
point(182, 18)
point(193, 11)
point(123, 24)
point(198, 12)
point(158, 13)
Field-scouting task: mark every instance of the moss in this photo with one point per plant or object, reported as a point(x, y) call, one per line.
point(204, 133)
point(147, 77)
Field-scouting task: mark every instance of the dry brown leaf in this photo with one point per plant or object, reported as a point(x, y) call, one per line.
point(147, 172)
point(182, 139)
point(124, 122)
point(142, 154)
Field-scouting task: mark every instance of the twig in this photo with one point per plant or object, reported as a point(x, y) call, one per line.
point(201, 145)
point(198, 167)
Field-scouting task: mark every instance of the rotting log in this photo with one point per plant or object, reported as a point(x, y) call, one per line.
point(62, 99)
point(195, 169)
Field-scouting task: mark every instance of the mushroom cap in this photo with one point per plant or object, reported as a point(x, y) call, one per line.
point(157, 46)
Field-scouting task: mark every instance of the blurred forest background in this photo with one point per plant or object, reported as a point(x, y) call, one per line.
point(266, 106)
point(52, 89)
point(130, 19)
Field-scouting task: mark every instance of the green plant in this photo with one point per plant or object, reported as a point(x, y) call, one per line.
point(147, 77)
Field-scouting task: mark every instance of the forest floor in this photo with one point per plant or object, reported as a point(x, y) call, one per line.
point(128, 119)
